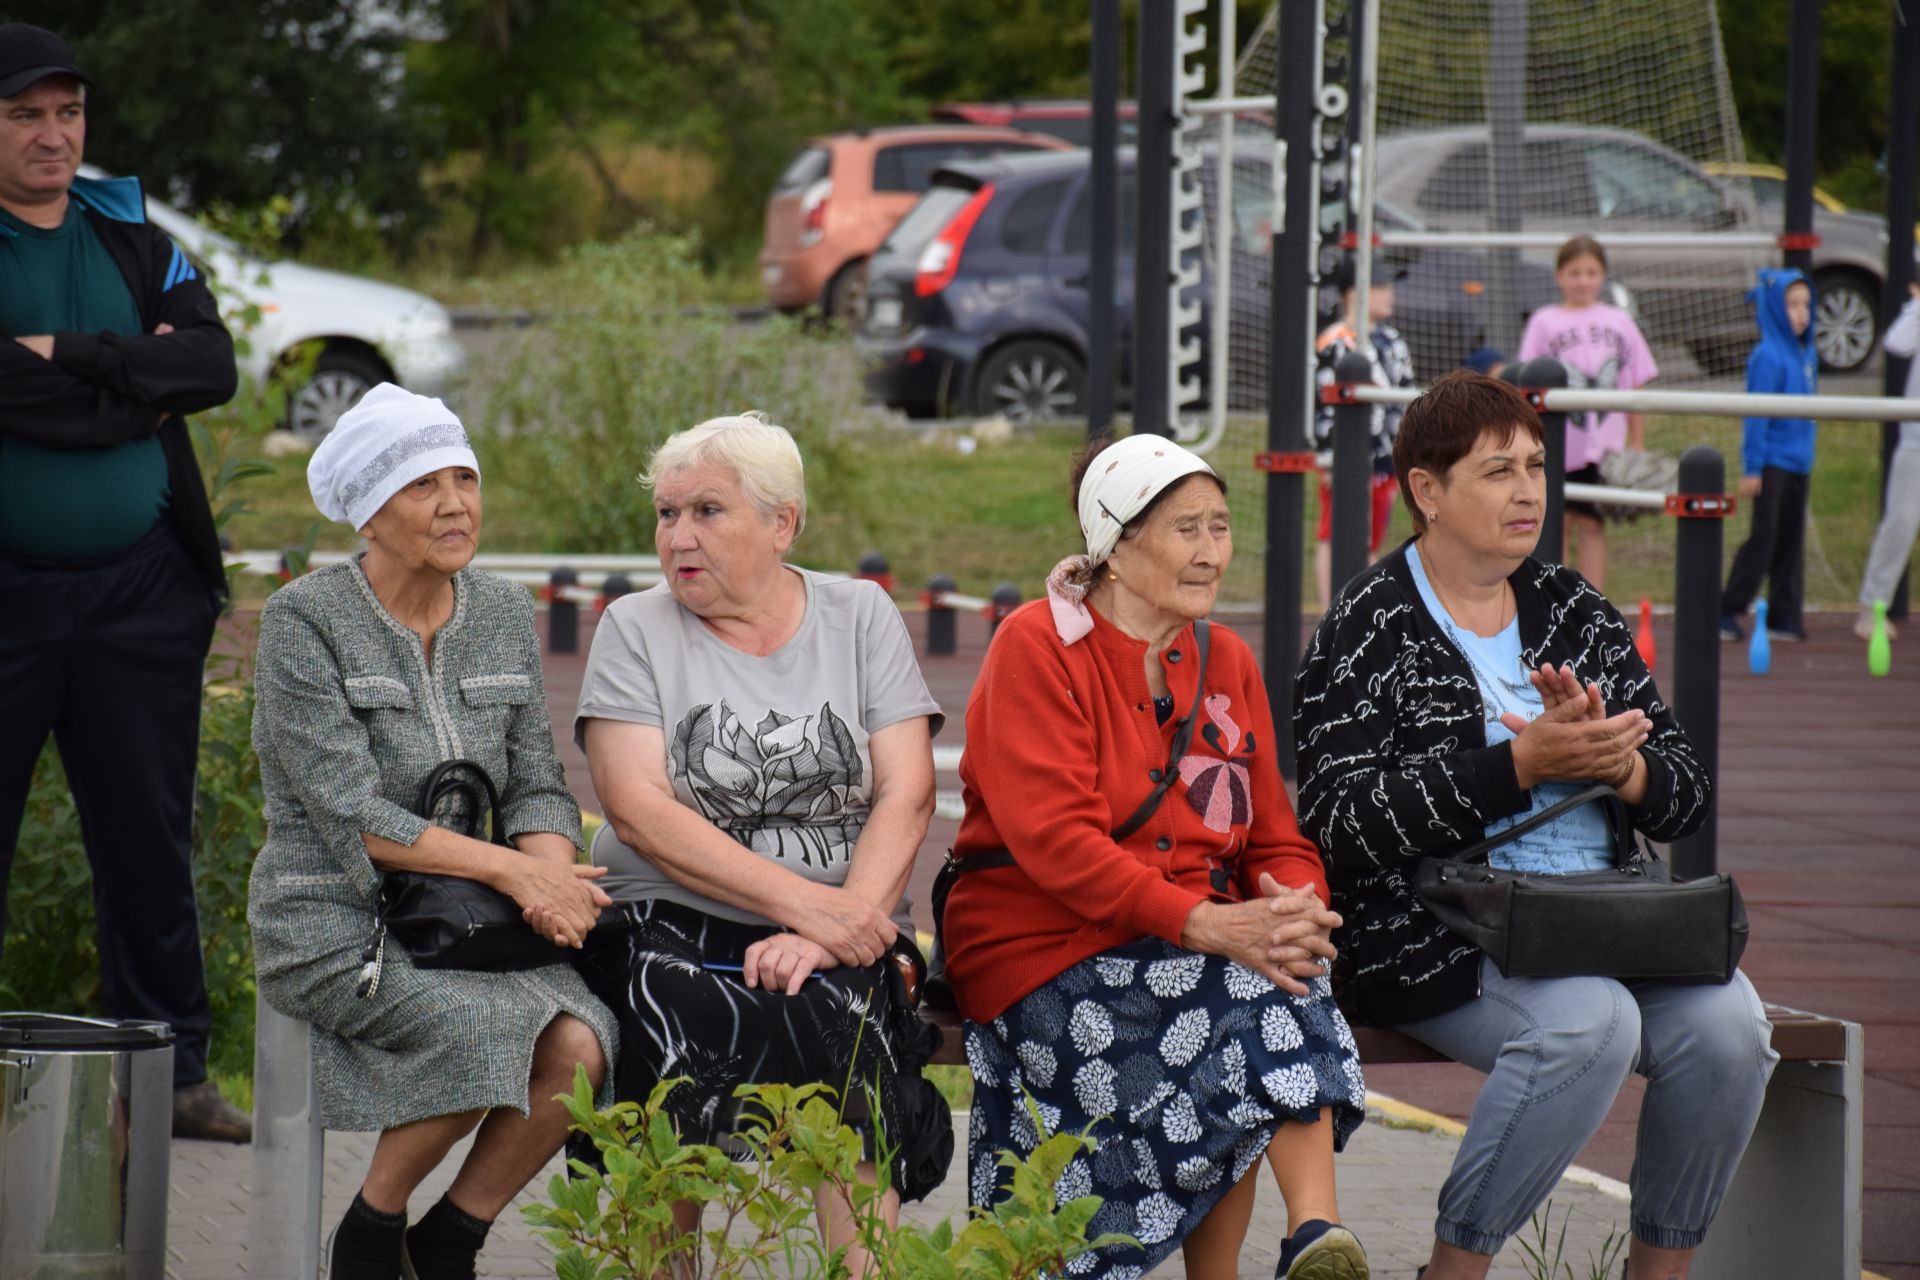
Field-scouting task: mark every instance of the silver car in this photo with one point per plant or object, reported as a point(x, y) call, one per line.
point(1597, 180)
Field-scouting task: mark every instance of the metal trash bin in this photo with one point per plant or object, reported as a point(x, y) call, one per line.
point(86, 1128)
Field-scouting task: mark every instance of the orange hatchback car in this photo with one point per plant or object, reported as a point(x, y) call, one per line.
point(842, 194)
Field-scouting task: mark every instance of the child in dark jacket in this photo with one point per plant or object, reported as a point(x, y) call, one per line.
point(1776, 461)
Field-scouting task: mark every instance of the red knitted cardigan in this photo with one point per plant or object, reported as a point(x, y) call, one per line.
point(1062, 746)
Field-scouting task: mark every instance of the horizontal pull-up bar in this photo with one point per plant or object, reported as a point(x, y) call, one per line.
point(1721, 404)
point(1553, 240)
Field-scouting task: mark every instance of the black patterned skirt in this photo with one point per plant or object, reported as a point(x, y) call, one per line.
point(1182, 1066)
point(672, 979)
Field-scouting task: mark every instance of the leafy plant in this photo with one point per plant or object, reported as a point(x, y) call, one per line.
point(618, 1222)
point(1544, 1256)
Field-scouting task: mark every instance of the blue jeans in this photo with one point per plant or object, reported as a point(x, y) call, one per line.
point(1556, 1051)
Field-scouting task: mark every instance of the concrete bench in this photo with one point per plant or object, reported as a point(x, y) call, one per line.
point(1794, 1208)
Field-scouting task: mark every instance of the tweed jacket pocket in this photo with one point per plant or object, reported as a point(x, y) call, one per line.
point(377, 691)
point(507, 688)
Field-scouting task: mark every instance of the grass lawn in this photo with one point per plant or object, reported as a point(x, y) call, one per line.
point(999, 513)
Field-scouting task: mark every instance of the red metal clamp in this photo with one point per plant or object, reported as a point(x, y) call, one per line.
point(1701, 506)
point(1284, 463)
point(1791, 240)
point(1338, 393)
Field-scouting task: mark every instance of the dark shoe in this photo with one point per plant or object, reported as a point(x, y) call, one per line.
point(1322, 1250)
point(200, 1112)
point(1730, 629)
point(1794, 635)
point(367, 1245)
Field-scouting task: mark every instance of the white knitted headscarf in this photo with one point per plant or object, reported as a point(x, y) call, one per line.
point(1124, 478)
point(388, 440)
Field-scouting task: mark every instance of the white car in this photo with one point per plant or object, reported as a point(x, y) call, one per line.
point(367, 332)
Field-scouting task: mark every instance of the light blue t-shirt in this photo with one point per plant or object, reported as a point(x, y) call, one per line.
point(1577, 841)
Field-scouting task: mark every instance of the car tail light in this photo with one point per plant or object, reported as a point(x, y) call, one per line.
point(941, 258)
point(813, 211)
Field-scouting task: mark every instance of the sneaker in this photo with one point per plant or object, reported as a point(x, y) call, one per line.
point(1788, 635)
point(1730, 629)
point(200, 1112)
point(1322, 1250)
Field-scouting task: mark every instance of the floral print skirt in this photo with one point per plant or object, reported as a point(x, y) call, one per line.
point(1182, 1066)
point(672, 979)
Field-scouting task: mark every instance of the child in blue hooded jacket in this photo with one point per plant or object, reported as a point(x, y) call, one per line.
point(1776, 457)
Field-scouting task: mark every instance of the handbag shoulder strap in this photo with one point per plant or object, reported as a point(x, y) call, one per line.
point(463, 775)
point(1616, 822)
point(1202, 644)
point(989, 859)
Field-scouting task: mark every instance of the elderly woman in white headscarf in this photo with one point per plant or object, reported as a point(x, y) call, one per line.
point(369, 674)
point(1139, 937)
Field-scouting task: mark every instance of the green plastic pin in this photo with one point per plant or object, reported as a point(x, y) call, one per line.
point(1879, 652)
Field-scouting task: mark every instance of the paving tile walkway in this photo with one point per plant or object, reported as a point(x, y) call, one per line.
point(1388, 1179)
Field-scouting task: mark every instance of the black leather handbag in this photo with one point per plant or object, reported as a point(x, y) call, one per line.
point(1632, 921)
point(937, 991)
point(450, 922)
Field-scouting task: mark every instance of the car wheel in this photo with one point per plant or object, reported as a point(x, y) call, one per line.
point(1031, 381)
point(340, 378)
point(1845, 326)
point(845, 297)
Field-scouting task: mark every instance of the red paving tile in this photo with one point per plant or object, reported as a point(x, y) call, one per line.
point(1820, 819)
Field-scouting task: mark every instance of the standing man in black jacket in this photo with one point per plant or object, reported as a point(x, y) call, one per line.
point(110, 572)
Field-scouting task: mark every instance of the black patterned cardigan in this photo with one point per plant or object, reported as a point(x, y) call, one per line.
point(1393, 764)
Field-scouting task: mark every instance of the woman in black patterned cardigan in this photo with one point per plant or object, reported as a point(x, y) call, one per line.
point(1452, 689)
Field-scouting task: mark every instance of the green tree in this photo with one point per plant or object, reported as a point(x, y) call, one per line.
point(213, 102)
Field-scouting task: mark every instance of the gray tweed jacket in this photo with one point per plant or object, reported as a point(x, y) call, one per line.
point(350, 719)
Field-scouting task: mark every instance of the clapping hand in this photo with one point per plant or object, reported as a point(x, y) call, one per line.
point(1573, 739)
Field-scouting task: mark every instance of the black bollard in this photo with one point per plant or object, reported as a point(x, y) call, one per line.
point(874, 568)
point(563, 613)
point(1695, 694)
point(616, 585)
point(1548, 374)
point(940, 618)
point(1352, 474)
point(1006, 598)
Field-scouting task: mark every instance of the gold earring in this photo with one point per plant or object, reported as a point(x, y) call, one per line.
point(1111, 575)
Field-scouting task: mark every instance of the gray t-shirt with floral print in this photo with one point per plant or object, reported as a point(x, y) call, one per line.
point(772, 750)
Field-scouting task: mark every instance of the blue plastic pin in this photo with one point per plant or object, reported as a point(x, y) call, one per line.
point(1760, 648)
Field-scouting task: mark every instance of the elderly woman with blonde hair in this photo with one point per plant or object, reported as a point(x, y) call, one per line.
point(760, 738)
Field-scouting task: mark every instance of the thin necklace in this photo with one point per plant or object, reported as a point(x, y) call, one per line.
point(1518, 688)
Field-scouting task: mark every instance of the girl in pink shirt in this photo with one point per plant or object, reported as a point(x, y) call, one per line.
point(1602, 348)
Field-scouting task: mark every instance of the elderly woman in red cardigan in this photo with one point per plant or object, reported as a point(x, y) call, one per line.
point(1158, 978)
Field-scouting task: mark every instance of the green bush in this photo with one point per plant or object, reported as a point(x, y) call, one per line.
point(569, 414)
point(619, 1222)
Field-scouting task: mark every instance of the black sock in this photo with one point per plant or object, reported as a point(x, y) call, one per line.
point(366, 1244)
point(445, 1242)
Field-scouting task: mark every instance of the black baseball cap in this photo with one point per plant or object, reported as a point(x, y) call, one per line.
point(29, 55)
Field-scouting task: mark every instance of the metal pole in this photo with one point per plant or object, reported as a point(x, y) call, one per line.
point(1547, 372)
point(1289, 374)
point(1903, 139)
point(1225, 239)
point(1695, 693)
point(1352, 473)
point(1507, 112)
point(1153, 228)
point(1105, 74)
point(1364, 25)
point(1803, 100)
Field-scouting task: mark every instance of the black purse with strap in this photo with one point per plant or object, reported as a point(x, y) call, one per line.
point(1632, 921)
point(936, 991)
point(451, 922)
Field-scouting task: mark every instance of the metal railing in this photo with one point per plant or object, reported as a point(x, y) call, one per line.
point(1722, 404)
